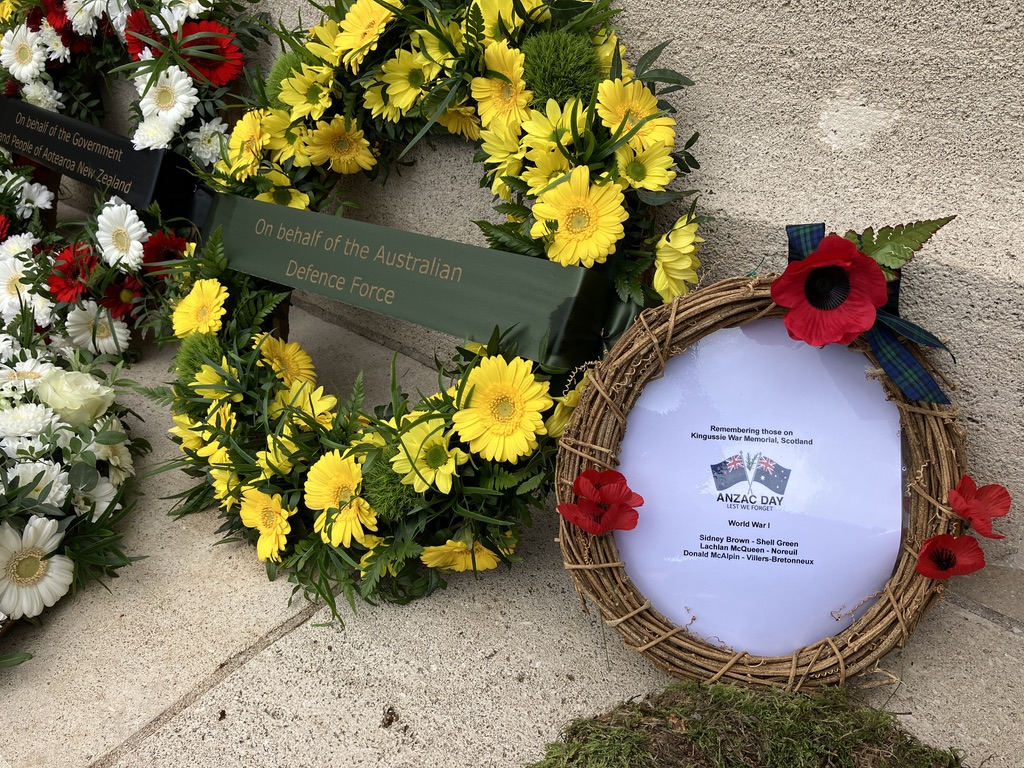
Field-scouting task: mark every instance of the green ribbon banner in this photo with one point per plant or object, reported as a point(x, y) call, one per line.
point(557, 314)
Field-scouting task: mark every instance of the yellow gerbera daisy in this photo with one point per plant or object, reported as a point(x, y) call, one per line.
point(428, 43)
point(277, 459)
point(361, 29)
point(308, 92)
point(227, 486)
point(323, 42)
point(502, 415)
point(605, 43)
point(375, 101)
point(565, 406)
point(493, 10)
point(675, 260)
point(201, 311)
point(545, 130)
point(589, 219)
point(285, 140)
point(7, 9)
point(332, 485)
point(186, 430)
point(504, 155)
point(461, 120)
point(283, 193)
point(303, 397)
point(245, 147)
point(406, 75)
point(341, 144)
point(424, 458)
point(210, 383)
point(288, 360)
point(269, 516)
point(648, 169)
point(456, 556)
point(622, 106)
point(547, 166)
point(506, 101)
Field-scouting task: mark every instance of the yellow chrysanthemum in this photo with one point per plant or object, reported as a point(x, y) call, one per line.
point(545, 130)
point(209, 382)
point(605, 43)
point(283, 193)
point(323, 42)
point(277, 459)
point(502, 416)
point(308, 92)
point(461, 120)
point(188, 432)
point(565, 406)
point(288, 360)
point(374, 99)
point(201, 311)
point(302, 396)
point(505, 101)
point(285, 140)
point(456, 556)
point(622, 106)
point(361, 29)
point(332, 485)
point(504, 156)
point(341, 144)
point(589, 219)
point(406, 74)
point(675, 260)
point(649, 169)
point(547, 166)
point(246, 146)
point(424, 458)
point(269, 516)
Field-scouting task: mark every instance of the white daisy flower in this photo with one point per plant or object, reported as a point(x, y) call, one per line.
point(17, 245)
point(117, 12)
point(43, 95)
point(14, 287)
point(22, 53)
point(23, 376)
point(28, 582)
point(173, 97)
point(193, 7)
point(53, 43)
point(84, 14)
point(47, 481)
point(121, 234)
point(9, 347)
point(96, 501)
point(153, 133)
point(34, 196)
point(206, 141)
point(91, 327)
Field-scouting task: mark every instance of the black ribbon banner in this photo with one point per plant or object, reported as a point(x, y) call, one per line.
point(97, 157)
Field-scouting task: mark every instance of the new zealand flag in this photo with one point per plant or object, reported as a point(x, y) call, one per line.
point(729, 472)
point(771, 475)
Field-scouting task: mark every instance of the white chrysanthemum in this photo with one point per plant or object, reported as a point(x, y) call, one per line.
point(9, 347)
point(17, 245)
point(23, 376)
point(172, 17)
point(27, 420)
point(47, 481)
point(22, 53)
point(28, 582)
point(117, 12)
point(173, 97)
point(121, 234)
point(96, 501)
point(91, 327)
point(25, 448)
point(34, 196)
point(43, 95)
point(118, 457)
point(84, 14)
point(11, 183)
point(206, 141)
point(53, 43)
point(153, 133)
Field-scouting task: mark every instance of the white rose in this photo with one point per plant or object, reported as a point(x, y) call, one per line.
point(78, 398)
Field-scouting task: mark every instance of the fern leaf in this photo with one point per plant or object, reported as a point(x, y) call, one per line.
point(892, 247)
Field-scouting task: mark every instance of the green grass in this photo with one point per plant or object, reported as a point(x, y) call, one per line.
point(720, 726)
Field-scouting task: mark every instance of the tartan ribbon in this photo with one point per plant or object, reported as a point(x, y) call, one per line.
point(896, 360)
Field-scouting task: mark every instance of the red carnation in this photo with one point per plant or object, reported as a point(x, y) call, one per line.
point(5, 226)
point(604, 503)
point(832, 295)
point(11, 88)
point(979, 505)
point(162, 247)
point(71, 271)
point(139, 33)
point(943, 556)
point(210, 52)
point(121, 296)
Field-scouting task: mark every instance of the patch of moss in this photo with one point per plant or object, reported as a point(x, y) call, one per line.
point(390, 498)
point(723, 726)
point(560, 65)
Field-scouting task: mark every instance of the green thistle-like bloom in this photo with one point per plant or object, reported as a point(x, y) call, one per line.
point(194, 348)
point(560, 65)
point(390, 498)
point(284, 67)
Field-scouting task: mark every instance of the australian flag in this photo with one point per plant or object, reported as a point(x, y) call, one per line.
point(729, 472)
point(771, 475)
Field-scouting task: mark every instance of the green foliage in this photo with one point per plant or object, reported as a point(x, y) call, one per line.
point(560, 65)
point(723, 726)
point(892, 247)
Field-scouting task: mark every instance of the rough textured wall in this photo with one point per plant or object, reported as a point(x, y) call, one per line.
point(854, 114)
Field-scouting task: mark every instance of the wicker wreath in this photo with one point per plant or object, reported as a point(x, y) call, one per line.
point(592, 442)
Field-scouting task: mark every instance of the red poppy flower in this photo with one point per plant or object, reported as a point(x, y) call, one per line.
point(215, 57)
point(161, 247)
point(832, 295)
point(604, 503)
point(979, 505)
point(120, 296)
point(71, 271)
point(138, 31)
point(943, 556)
point(5, 226)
